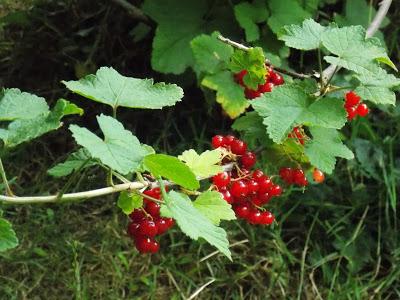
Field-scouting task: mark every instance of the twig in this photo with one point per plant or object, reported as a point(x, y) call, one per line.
point(267, 62)
point(135, 185)
point(196, 293)
point(5, 181)
point(371, 30)
point(133, 10)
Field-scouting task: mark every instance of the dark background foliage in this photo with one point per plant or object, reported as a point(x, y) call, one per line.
point(338, 240)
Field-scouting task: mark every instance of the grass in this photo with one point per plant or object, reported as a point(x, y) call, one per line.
point(338, 240)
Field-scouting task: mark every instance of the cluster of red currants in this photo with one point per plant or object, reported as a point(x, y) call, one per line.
point(354, 107)
point(271, 80)
point(293, 176)
point(246, 190)
point(298, 135)
point(146, 223)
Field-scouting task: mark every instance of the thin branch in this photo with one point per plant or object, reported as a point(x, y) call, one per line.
point(267, 62)
point(135, 185)
point(5, 181)
point(371, 30)
point(133, 10)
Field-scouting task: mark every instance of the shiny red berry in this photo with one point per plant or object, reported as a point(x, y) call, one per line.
point(351, 113)
point(239, 189)
point(276, 78)
point(318, 175)
point(137, 215)
point(266, 218)
point(152, 208)
point(254, 216)
point(222, 179)
point(217, 141)
point(238, 147)
point(253, 186)
point(145, 244)
point(227, 196)
point(148, 228)
point(275, 190)
point(362, 110)
point(265, 185)
point(242, 210)
point(258, 175)
point(239, 77)
point(133, 229)
point(163, 224)
point(228, 140)
point(264, 198)
point(352, 99)
point(251, 94)
point(298, 176)
point(266, 87)
point(248, 160)
point(286, 175)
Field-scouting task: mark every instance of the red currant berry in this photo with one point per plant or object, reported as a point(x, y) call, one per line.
point(351, 113)
point(238, 147)
point(217, 141)
point(144, 244)
point(286, 175)
point(152, 208)
point(267, 218)
point(318, 175)
point(133, 229)
point(298, 176)
point(362, 110)
point(222, 179)
point(352, 99)
point(154, 247)
point(242, 210)
point(253, 186)
point(264, 198)
point(137, 215)
point(251, 94)
point(258, 175)
point(228, 140)
point(248, 160)
point(227, 196)
point(147, 228)
point(276, 78)
point(239, 189)
point(266, 87)
point(254, 216)
point(275, 190)
point(265, 185)
point(162, 224)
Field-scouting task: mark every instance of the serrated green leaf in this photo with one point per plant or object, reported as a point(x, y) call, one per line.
point(354, 51)
point(111, 88)
point(194, 224)
point(120, 150)
point(285, 12)
point(8, 238)
point(376, 85)
point(171, 44)
point(203, 165)
point(15, 104)
point(210, 54)
point(127, 201)
point(253, 61)
point(171, 168)
point(304, 37)
point(229, 94)
point(324, 147)
point(214, 207)
point(249, 15)
point(23, 130)
point(75, 161)
point(288, 106)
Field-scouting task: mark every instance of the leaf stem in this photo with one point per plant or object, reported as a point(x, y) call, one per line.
point(9, 192)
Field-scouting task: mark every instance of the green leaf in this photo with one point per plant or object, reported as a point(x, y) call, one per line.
point(210, 54)
point(15, 104)
point(73, 163)
point(111, 88)
point(324, 147)
point(8, 238)
point(285, 12)
point(376, 86)
point(253, 61)
point(171, 168)
point(127, 202)
point(193, 223)
point(288, 106)
point(248, 15)
point(214, 207)
point(355, 52)
point(252, 129)
point(203, 165)
point(171, 44)
point(23, 130)
point(120, 150)
point(229, 94)
point(304, 37)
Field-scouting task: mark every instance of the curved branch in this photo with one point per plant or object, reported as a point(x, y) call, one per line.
point(135, 185)
point(371, 30)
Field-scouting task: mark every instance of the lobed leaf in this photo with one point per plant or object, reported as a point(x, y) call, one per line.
point(249, 15)
point(8, 238)
point(214, 207)
point(78, 159)
point(203, 165)
point(128, 202)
